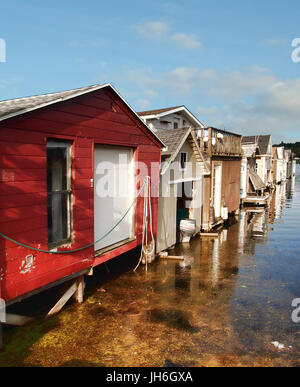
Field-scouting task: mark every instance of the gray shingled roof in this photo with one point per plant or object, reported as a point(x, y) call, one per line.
point(263, 143)
point(20, 105)
point(158, 111)
point(172, 139)
point(249, 140)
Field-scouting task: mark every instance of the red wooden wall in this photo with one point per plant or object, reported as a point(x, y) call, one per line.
point(98, 117)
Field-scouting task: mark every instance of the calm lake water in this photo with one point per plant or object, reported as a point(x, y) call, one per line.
point(223, 306)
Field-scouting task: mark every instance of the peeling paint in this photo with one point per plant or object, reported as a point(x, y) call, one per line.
point(28, 264)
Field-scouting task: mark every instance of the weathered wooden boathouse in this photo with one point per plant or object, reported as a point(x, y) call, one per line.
point(181, 185)
point(54, 151)
point(222, 151)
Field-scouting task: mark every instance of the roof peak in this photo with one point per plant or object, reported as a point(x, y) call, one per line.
point(157, 111)
point(78, 89)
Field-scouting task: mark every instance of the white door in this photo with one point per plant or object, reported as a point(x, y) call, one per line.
point(196, 212)
point(217, 190)
point(113, 194)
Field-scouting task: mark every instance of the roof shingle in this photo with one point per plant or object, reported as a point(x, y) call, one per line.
point(172, 139)
point(158, 111)
point(14, 106)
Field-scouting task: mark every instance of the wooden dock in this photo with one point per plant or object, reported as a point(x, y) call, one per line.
point(258, 201)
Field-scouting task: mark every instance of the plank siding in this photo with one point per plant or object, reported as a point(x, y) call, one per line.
point(99, 117)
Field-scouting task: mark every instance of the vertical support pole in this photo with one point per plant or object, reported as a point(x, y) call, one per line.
point(80, 289)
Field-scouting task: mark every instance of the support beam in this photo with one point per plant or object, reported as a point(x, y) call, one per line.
point(64, 299)
point(210, 234)
point(17, 320)
point(76, 290)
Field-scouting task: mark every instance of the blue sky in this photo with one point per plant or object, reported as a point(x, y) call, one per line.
point(228, 61)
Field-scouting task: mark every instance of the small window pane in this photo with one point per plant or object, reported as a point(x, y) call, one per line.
point(183, 161)
point(57, 217)
point(59, 192)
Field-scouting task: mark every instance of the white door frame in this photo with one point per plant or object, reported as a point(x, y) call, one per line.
point(217, 190)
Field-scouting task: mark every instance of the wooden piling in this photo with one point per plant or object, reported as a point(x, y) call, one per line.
point(80, 289)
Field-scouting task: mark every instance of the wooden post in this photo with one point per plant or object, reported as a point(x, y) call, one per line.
point(80, 289)
point(63, 300)
point(77, 289)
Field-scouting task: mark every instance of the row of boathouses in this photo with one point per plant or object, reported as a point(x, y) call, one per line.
point(84, 179)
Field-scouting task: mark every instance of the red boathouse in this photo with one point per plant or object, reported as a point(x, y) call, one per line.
point(54, 150)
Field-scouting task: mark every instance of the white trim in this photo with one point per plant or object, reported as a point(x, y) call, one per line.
point(187, 180)
point(172, 111)
point(167, 164)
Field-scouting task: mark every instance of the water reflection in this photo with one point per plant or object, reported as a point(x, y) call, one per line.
point(223, 305)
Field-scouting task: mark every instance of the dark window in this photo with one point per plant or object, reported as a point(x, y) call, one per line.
point(175, 125)
point(59, 193)
point(183, 160)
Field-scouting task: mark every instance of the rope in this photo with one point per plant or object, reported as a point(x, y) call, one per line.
point(147, 202)
point(87, 246)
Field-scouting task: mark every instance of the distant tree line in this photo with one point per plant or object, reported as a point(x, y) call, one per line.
point(295, 147)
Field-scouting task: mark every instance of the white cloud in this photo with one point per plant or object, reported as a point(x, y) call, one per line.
point(188, 41)
point(153, 29)
point(213, 110)
point(150, 93)
point(247, 101)
point(275, 42)
point(160, 30)
point(143, 104)
point(240, 83)
point(79, 60)
point(182, 80)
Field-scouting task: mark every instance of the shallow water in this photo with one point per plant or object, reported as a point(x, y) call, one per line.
point(223, 306)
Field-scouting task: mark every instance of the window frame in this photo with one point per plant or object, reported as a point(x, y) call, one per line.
point(65, 144)
point(183, 169)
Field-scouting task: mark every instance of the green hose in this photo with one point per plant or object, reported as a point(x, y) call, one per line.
point(82, 248)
